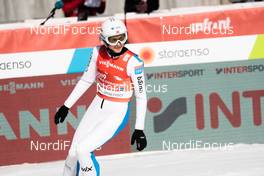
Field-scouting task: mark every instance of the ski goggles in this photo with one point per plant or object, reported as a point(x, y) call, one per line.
point(113, 40)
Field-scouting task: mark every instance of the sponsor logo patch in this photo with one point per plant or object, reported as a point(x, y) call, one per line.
point(140, 84)
point(139, 69)
point(86, 169)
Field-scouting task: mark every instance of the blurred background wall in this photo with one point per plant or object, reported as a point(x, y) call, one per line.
point(19, 10)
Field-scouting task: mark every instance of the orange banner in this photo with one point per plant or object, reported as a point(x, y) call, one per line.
point(152, 29)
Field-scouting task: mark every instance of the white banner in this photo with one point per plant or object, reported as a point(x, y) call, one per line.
point(195, 51)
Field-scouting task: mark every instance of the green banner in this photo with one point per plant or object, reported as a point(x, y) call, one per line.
point(190, 106)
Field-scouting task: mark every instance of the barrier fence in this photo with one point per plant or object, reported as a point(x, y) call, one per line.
point(204, 90)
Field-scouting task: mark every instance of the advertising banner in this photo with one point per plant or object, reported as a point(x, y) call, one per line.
point(154, 54)
point(163, 27)
point(205, 105)
point(200, 51)
point(41, 63)
point(27, 129)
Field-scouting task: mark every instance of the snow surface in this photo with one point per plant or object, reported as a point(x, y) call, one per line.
point(241, 160)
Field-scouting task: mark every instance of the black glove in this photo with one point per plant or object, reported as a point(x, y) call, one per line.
point(61, 114)
point(140, 139)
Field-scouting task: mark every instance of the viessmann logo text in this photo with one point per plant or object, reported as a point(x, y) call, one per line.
point(108, 64)
point(15, 65)
point(12, 86)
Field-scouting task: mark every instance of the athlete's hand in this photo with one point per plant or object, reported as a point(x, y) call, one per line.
point(140, 139)
point(61, 114)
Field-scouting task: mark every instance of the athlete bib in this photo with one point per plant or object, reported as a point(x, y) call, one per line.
point(113, 83)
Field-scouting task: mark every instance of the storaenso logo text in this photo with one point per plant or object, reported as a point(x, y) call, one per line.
point(12, 87)
point(15, 65)
point(183, 53)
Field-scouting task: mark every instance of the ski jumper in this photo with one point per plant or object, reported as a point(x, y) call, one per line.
point(116, 79)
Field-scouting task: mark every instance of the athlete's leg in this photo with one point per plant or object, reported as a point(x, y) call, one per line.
point(86, 125)
point(115, 116)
